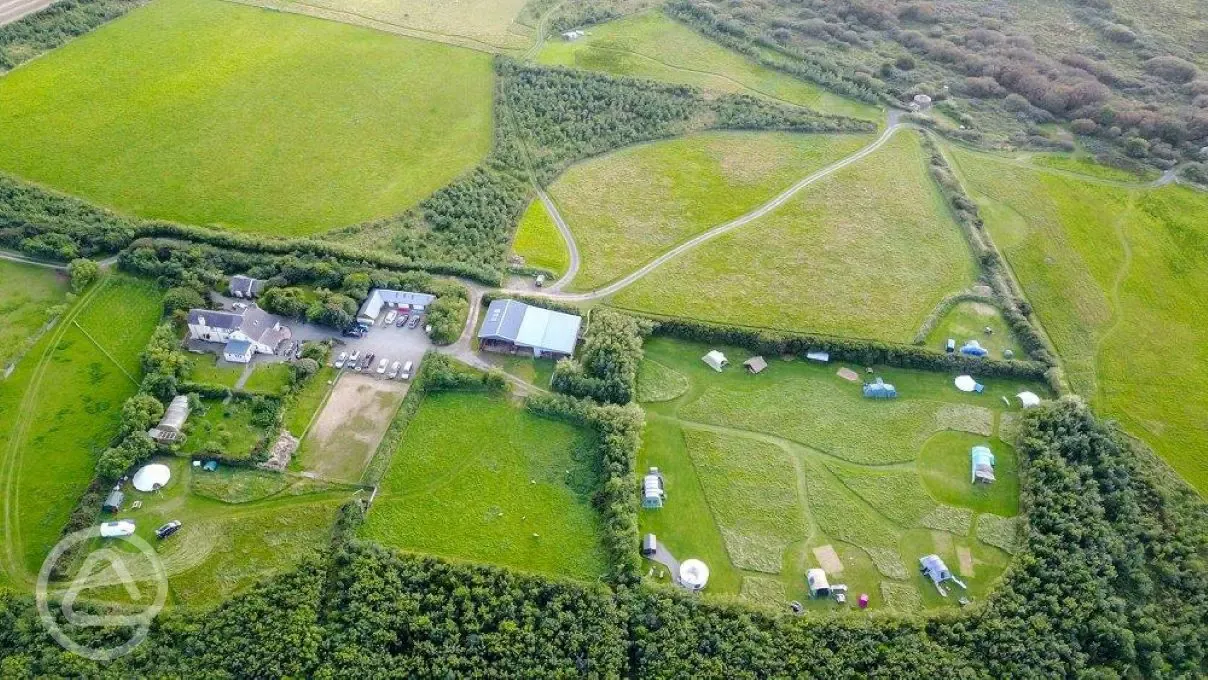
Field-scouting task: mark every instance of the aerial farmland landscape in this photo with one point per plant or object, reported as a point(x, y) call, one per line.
point(603, 338)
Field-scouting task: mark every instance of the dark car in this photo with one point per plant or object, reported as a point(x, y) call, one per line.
point(402, 321)
point(354, 332)
point(167, 529)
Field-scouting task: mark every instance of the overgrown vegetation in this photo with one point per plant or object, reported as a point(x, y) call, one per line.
point(607, 367)
point(60, 22)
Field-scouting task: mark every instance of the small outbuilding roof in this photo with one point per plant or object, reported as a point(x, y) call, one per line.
point(245, 286)
point(528, 326)
point(755, 364)
point(818, 356)
point(177, 413)
point(152, 477)
point(716, 360)
point(114, 500)
point(240, 348)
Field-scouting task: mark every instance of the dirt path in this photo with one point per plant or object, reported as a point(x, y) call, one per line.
point(736, 223)
point(13, 10)
point(572, 269)
point(1117, 284)
point(14, 257)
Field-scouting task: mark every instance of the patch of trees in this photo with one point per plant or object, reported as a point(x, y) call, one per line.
point(581, 13)
point(744, 112)
point(56, 227)
point(607, 367)
point(49, 28)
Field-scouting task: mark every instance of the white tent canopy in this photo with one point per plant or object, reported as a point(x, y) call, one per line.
point(965, 383)
point(1028, 399)
point(716, 360)
point(694, 574)
point(152, 477)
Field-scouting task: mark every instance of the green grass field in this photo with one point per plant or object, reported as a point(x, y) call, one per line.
point(651, 45)
point(763, 470)
point(202, 112)
point(1118, 278)
point(223, 427)
point(269, 378)
point(60, 408)
point(628, 207)
point(866, 252)
point(305, 405)
point(26, 293)
point(238, 527)
point(479, 24)
point(968, 321)
point(206, 369)
point(539, 242)
point(479, 478)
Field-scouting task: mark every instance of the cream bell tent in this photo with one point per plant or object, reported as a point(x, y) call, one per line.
point(152, 477)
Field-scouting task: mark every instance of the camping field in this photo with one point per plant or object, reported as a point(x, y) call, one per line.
point(27, 292)
point(207, 112)
point(1117, 276)
point(866, 252)
point(628, 207)
point(651, 45)
point(479, 478)
point(769, 475)
point(60, 407)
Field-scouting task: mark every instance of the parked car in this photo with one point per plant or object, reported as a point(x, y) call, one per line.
point(352, 358)
point(393, 371)
point(382, 366)
point(366, 363)
point(340, 360)
point(950, 346)
point(354, 332)
point(167, 529)
point(415, 321)
point(122, 527)
point(541, 280)
point(402, 321)
point(390, 317)
point(406, 371)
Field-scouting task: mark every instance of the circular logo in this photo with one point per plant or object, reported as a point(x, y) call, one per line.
point(105, 566)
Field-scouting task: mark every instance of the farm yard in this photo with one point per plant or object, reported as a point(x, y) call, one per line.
point(1117, 276)
point(630, 206)
point(770, 475)
point(61, 406)
point(479, 478)
point(208, 112)
point(651, 45)
point(867, 252)
point(27, 293)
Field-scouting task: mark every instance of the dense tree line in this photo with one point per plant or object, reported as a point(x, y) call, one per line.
point(744, 112)
point(607, 367)
point(57, 227)
point(60, 22)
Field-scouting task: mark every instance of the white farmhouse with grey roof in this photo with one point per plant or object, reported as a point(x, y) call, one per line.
point(244, 333)
point(515, 327)
point(392, 299)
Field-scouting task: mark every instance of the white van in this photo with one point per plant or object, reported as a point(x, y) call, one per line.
point(406, 375)
point(393, 371)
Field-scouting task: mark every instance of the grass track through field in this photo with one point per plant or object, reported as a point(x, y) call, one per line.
point(736, 223)
point(13, 453)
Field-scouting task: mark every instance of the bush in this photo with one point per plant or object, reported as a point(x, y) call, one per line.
point(183, 298)
point(83, 272)
point(447, 316)
point(607, 367)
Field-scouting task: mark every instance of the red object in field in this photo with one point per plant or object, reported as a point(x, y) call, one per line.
point(863, 600)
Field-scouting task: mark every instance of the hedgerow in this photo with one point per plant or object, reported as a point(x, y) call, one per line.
point(607, 367)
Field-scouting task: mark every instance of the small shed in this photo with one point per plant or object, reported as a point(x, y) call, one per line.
point(755, 364)
point(716, 360)
point(113, 502)
point(973, 349)
point(816, 580)
point(879, 389)
point(571, 36)
point(981, 463)
point(1028, 399)
point(820, 357)
point(934, 568)
point(653, 492)
point(245, 287)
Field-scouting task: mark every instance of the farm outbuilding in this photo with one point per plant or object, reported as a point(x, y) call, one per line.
point(879, 389)
point(934, 568)
point(392, 299)
point(755, 364)
point(245, 287)
point(653, 492)
point(169, 428)
point(716, 360)
point(981, 462)
point(513, 327)
point(113, 502)
point(820, 357)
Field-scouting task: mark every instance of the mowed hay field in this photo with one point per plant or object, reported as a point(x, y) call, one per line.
point(208, 112)
point(628, 207)
point(766, 475)
point(539, 242)
point(61, 406)
point(866, 252)
point(479, 24)
point(479, 478)
point(652, 45)
point(27, 292)
point(1118, 277)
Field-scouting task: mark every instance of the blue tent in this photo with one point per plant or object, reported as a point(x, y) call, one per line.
point(880, 390)
point(973, 349)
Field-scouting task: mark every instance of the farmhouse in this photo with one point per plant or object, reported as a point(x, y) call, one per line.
point(981, 460)
point(392, 299)
point(513, 327)
point(245, 287)
point(169, 428)
point(245, 333)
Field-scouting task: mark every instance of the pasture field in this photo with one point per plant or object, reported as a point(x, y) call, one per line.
point(306, 402)
point(226, 428)
point(1118, 278)
point(26, 293)
point(209, 112)
point(767, 474)
point(477, 477)
point(344, 437)
point(239, 527)
point(651, 45)
point(867, 252)
point(269, 378)
point(60, 408)
point(628, 207)
point(539, 242)
point(968, 321)
point(478, 24)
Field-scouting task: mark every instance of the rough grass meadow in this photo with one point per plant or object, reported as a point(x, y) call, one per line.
point(209, 112)
point(539, 242)
point(27, 292)
point(866, 252)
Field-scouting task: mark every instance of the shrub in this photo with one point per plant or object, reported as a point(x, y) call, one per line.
point(83, 272)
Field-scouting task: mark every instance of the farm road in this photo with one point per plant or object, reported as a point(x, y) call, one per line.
point(713, 233)
point(12, 10)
